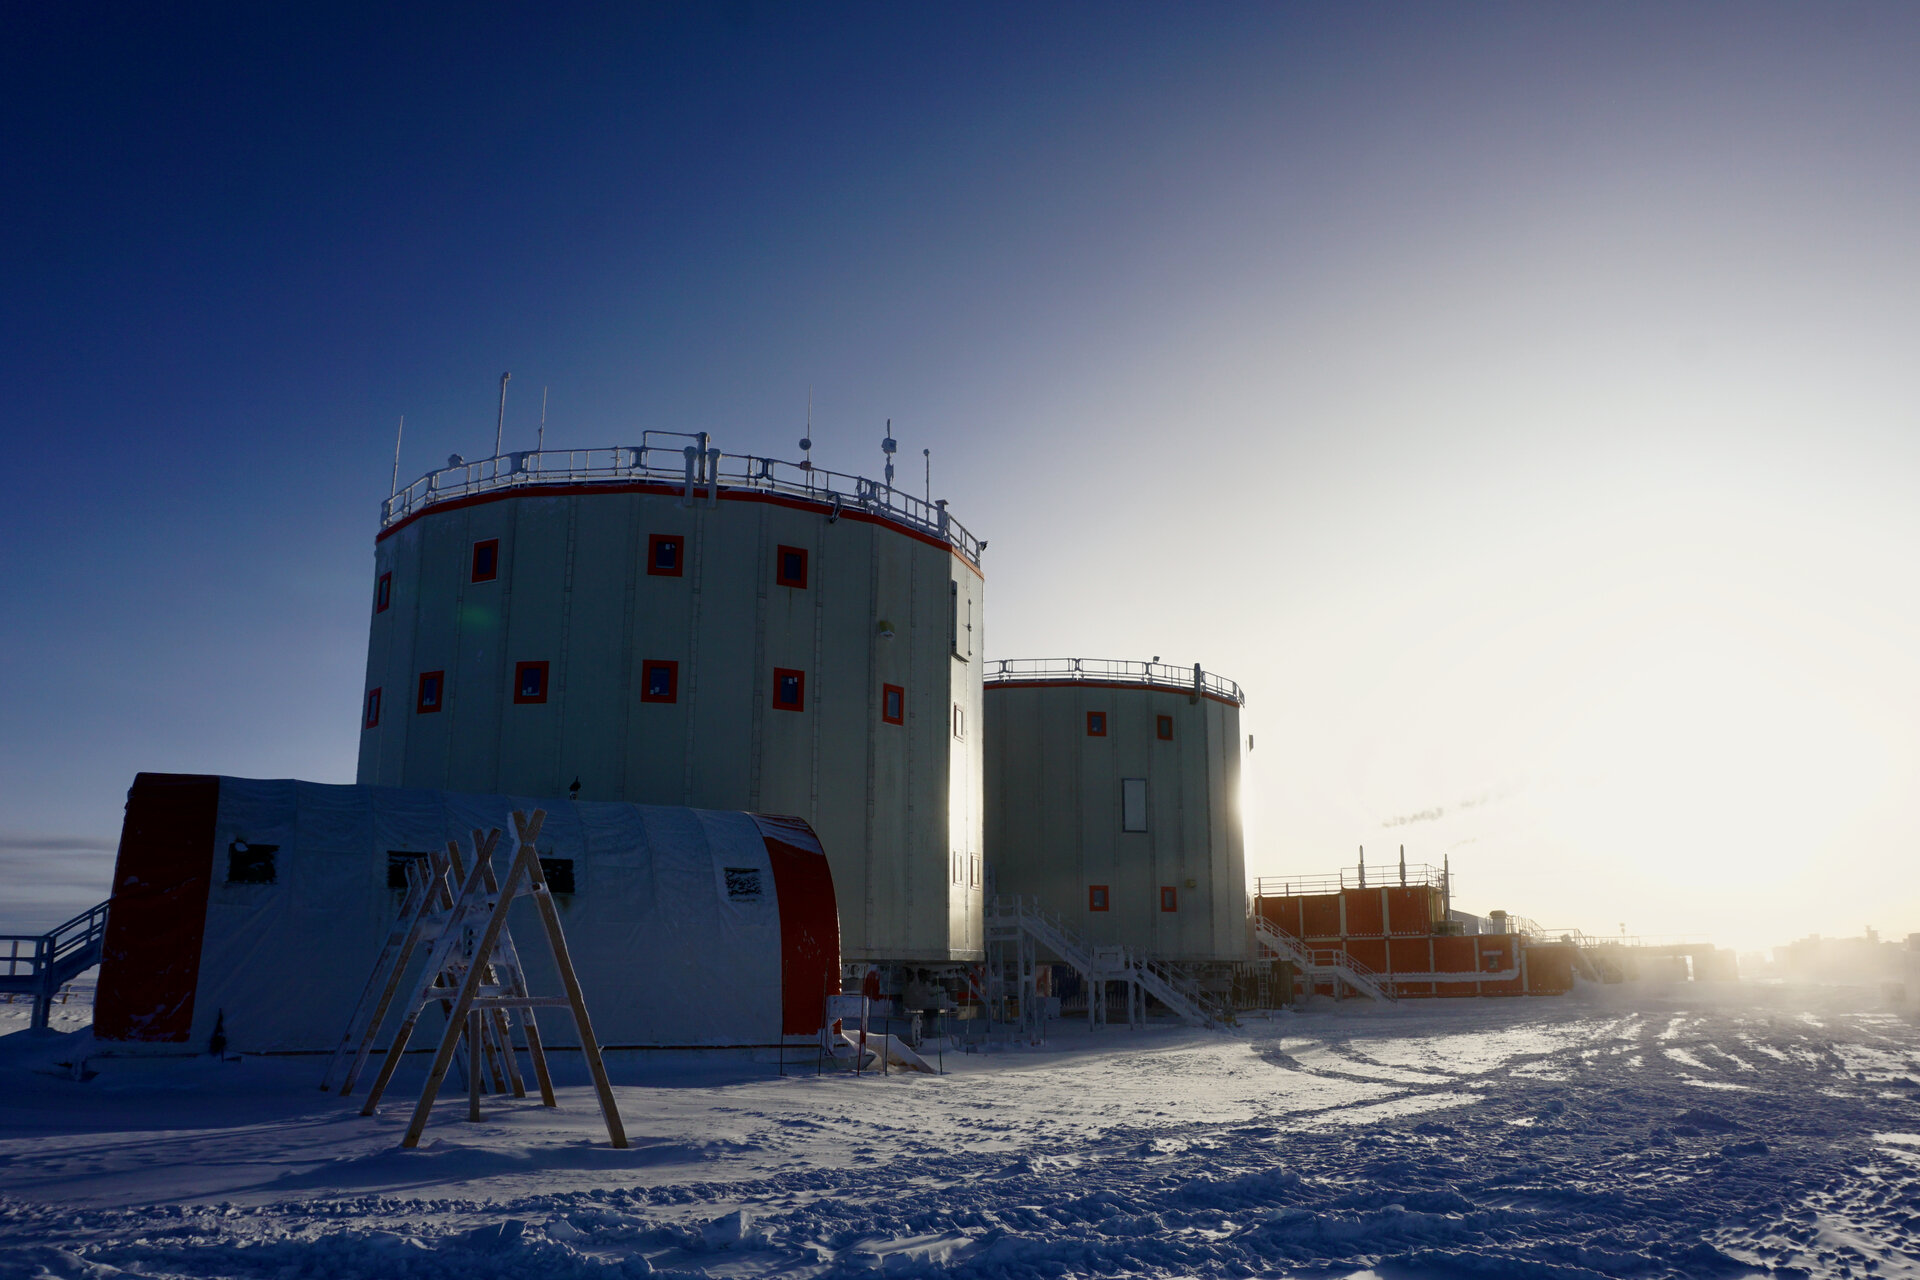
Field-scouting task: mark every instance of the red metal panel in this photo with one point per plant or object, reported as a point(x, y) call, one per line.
point(1495, 951)
point(1549, 969)
point(1411, 955)
point(1455, 955)
point(1320, 915)
point(1282, 913)
point(150, 966)
point(1371, 952)
point(809, 922)
point(1366, 915)
point(1411, 910)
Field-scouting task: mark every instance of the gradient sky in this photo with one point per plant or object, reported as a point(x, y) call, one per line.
point(1520, 403)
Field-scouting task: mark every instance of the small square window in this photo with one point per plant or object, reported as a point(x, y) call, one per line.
point(372, 720)
point(789, 689)
point(530, 682)
point(659, 680)
point(431, 685)
point(558, 873)
point(791, 567)
point(893, 704)
point(383, 593)
point(1169, 898)
point(1096, 897)
point(1096, 724)
point(486, 560)
point(251, 863)
point(666, 555)
point(959, 722)
point(1163, 728)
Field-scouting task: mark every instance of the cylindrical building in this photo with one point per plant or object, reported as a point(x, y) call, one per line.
point(666, 624)
point(1113, 796)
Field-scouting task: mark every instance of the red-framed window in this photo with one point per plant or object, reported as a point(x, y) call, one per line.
point(789, 689)
point(486, 560)
point(893, 704)
point(666, 555)
point(530, 681)
point(432, 692)
point(1099, 898)
point(1096, 724)
point(659, 680)
point(790, 566)
point(383, 593)
point(372, 719)
point(1169, 898)
point(1163, 728)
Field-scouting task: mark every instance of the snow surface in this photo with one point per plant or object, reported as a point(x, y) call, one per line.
point(1681, 1131)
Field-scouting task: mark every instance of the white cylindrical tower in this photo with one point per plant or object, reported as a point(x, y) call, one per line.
point(666, 624)
point(1113, 796)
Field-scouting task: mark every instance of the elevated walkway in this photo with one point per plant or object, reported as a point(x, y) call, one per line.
point(1324, 964)
point(1023, 925)
point(40, 964)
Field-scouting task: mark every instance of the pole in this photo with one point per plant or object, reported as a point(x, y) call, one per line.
point(928, 455)
point(395, 486)
point(542, 444)
point(500, 427)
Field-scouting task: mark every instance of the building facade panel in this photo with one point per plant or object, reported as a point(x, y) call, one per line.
point(597, 585)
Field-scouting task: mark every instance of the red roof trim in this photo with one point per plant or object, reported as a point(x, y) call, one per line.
point(674, 491)
point(1140, 686)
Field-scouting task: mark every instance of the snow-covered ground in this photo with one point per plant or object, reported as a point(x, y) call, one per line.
point(1675, 1132)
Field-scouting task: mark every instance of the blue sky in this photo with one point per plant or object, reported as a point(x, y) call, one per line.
point(1517, 401)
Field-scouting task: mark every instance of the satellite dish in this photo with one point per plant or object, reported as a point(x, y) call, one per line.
point(455, 460)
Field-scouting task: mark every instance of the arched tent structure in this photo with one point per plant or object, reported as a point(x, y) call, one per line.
point(260, 906)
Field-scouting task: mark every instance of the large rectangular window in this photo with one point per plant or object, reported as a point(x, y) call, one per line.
point(486, 560)
point(383, 593)
point(666, 555)
point(432, 684)
point(1133, 804)
point(530, 682)
point(1098, 898)
point(893, 704)
point(789, 689)
point(1163, 728)
point(251, 863)
point(659, 680)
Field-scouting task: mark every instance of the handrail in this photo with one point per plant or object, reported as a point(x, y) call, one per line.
point(699, 470)
point(1386, 876)
point(1160, 675)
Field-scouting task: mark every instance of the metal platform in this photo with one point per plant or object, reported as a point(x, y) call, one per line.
point(38, 965)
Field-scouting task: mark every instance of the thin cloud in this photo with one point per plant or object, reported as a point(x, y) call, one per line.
point(10, 843)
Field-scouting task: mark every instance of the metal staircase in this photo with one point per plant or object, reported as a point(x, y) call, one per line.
point(1023, 922)
point(1324, 964)
point(40, 964)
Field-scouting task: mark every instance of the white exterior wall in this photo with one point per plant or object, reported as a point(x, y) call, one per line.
point(1054, 813)
point(898, 807)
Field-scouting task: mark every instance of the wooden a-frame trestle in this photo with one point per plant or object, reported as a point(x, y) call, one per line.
point(473, 972)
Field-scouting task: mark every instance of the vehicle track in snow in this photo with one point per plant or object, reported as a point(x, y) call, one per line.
point(1511, 1138)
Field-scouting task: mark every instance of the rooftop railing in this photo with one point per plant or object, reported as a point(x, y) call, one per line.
point(1385, 876)
point(700, 471)
point(1113, 671)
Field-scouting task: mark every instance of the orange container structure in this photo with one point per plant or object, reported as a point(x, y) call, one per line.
point(1401, 931)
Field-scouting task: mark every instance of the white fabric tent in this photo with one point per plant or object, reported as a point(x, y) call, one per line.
point(687, 926)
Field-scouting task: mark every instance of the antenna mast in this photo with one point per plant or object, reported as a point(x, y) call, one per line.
point(542, 444)
point(501, 426)
point(806, 441)
point(395, 487)
point(928, 455)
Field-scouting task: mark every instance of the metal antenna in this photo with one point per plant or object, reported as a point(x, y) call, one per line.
point(501, 426)
point(395, 488)
point(806, 441)
point(887, 446)
point(928, 455)
point(543, 421)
